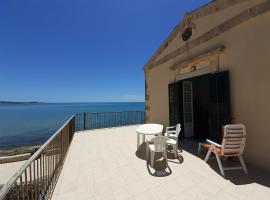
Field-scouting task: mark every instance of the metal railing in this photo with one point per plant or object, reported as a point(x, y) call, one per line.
point(37, 178)
point(88, 121)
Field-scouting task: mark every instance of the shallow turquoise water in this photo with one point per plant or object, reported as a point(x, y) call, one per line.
point(24, 124)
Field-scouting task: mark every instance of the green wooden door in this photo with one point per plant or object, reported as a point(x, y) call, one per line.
point(219, 104)
point(176, 105)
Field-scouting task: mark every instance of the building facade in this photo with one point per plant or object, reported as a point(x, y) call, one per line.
point(212, 70)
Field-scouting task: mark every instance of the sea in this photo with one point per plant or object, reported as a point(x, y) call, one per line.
point(34, 123)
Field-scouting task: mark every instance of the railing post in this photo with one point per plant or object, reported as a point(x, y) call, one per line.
point(84, 121)
point(71, 129)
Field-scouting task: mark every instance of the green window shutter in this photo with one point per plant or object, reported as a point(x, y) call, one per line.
point(220, 107)
point(224, 98)
point(175, 103)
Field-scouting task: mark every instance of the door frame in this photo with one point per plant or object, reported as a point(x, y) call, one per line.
point(214, 126)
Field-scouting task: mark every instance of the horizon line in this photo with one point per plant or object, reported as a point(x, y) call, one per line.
point(4, 101)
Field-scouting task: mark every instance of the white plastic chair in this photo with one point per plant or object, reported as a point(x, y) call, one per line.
point(158, 144)
point(233, 144)
point(172, 133)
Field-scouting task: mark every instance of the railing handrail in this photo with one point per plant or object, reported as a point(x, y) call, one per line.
point(108, 119)
point(5, 189)
point(110, 112)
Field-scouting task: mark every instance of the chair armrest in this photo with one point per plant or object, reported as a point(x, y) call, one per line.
point(169, 128)
point(173, 132)
point(213, 143)
point(170, 135)
point(173, 137)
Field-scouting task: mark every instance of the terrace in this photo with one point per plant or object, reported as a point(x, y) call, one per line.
point(105, 164)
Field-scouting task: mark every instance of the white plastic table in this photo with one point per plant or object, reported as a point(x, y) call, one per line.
point(148, 129)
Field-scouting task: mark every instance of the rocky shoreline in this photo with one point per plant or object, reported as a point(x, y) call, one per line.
point(11, 151)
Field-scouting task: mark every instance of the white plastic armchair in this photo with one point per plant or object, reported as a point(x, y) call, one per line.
point(173, 133)
point(158, 144)
point(233, 144)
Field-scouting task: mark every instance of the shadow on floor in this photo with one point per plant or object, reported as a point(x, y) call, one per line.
point(160, 168)
point(237, 177)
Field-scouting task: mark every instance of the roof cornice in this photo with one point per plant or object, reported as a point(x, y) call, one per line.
point(198, 58)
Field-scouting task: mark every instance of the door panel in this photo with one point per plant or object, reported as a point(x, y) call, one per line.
point(219, 108)
point(201, 107)
point(223, 88)
point(174, 103)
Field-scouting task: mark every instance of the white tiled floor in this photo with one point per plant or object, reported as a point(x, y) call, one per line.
point(8, 169)
point(104, 164)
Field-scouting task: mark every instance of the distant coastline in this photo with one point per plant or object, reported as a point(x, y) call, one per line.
point(20, 102)
point(11, 151)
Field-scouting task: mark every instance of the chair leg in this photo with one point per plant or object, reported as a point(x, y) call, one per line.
point(175, 150)
point(138, 140)
point(165, 156)
point(219, 163)
point(208, 154)
point(243, 164)
point(152, 158)
point(178, 147)
point(147, 149)
point(199, 149)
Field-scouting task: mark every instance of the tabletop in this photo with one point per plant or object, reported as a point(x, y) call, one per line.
point(150, 129)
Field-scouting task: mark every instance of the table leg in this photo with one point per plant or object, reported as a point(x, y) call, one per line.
point(147, 150)
point(138, 140)
point(143, 136)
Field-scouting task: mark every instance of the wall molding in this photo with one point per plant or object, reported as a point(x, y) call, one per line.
point(199, 58)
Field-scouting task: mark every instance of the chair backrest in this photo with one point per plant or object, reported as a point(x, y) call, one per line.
point(159, 143)
point(177, 130)
point(234, 139)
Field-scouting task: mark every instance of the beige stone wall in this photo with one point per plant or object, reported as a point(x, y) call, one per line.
point(203, 25)
point(158, 81)
point(247, 56)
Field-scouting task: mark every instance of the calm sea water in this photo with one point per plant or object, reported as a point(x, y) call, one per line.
point(25, 124)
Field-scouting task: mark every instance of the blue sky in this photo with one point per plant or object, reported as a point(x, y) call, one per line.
point(81, 50)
